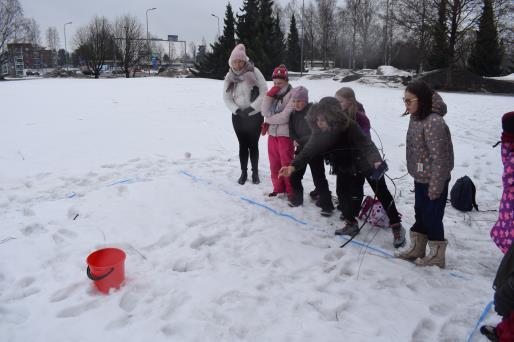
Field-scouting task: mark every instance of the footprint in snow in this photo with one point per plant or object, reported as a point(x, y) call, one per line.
point(18, 316)
point(118, 323)
point(424, 331)
point(65, 292)
point(77, 310)
point(35, 228)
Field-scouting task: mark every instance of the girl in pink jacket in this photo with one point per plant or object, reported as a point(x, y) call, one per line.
point(277, 106)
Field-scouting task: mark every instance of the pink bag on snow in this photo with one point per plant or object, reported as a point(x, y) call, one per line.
point(377, 216)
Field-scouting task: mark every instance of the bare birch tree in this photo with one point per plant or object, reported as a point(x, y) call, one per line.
point(130, 43)
point(94, 42)
point(52, 38)
point(326, 25)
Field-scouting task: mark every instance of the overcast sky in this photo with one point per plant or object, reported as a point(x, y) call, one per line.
point(191, 20)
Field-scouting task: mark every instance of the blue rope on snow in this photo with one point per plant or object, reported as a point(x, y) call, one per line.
point(281, 214)
point(480, 320)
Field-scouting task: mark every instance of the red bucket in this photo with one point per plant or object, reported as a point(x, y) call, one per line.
point(106, 267)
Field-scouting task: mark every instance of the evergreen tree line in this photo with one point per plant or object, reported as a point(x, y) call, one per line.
point(258, 27)
point(408, 34)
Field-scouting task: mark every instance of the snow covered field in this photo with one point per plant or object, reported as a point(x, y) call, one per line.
point(208, 259)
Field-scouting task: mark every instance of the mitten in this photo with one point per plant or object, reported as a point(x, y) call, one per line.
point(264, 128)
point(273, 91)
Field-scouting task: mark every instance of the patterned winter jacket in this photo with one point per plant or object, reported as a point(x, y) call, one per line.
point(239, 95)
point(430, 152)
point(502, 232)
point(276, 111)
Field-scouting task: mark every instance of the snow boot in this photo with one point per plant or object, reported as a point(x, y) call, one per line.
point(489, 331)
point(296, 200)
point(436, 256)
point(314, 194)
point(351, 228)
point(326, 212)
point(243, 178)
point(398, 235)
point(255, 177)
point(417, 248)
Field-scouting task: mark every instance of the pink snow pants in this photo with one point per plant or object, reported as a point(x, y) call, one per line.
point(280, 153)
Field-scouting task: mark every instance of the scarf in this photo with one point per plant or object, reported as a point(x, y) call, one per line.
point(244, 75)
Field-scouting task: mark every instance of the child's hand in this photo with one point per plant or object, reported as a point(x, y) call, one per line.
point(286, 171)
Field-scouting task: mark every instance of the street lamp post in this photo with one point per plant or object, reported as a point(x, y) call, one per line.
point(301, 50)
point(65, 48)
point(147, 36)
point(214, 15)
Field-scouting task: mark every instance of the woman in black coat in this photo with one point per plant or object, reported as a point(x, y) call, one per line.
point(338, 138)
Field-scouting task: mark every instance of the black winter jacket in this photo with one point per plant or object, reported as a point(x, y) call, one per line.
point(350, 150)
point(299, 129)
point(504, 285)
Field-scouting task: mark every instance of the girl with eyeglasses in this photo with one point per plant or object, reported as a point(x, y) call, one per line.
point(429, 162)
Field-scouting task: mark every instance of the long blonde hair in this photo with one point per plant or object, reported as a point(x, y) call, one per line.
point(349, 94)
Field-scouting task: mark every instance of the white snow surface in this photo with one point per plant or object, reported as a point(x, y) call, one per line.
point(150, 166)
point(388, 70)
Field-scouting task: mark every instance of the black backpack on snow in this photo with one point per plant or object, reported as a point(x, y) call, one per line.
point(462, 194)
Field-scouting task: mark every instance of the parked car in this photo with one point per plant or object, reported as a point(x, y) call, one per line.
point(32, 73)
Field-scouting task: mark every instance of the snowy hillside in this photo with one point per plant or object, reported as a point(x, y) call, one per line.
point(150, 166)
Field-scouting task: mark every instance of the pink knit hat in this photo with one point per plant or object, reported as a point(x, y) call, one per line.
point(239, 54)
point(300, 94)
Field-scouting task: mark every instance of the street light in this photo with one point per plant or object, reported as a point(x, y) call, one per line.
point(147, 36)
point(214, 15)
point(65, 48)
point(301, 51)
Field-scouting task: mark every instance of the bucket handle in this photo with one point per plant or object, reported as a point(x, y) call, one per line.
point(96, 278)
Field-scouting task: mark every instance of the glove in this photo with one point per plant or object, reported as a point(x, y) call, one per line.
point(248, 110)
point(264, 128)
point(273, 91)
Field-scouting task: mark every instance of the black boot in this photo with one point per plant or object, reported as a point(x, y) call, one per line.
point(255, 177)
point(243, 178)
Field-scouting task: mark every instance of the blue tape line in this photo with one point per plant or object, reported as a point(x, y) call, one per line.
point(482, 317)
point(71, 195)
point(288, 216)
point(121, 181)
point(305, 223)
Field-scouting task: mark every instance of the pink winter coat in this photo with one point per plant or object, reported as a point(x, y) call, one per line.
point(277, 112)
point(502, 232)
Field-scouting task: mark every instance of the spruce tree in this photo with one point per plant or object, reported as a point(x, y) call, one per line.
point(293, 47)
point(439, 55)
point(215, 64)
point(246, 26)
point(269, 40)
point(486, 55)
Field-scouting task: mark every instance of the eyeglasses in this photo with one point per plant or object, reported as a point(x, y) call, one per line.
point(409, 101)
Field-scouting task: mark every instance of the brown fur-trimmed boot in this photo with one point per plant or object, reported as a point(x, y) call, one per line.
point(417, 247)
point(436, 256)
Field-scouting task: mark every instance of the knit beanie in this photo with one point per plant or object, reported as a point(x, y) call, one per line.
point(280, 72)
point(508, 122)
point(239, 54)
point(300, 94)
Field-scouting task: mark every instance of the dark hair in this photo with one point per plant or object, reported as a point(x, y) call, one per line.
point(424, 95)
point(330, 109)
